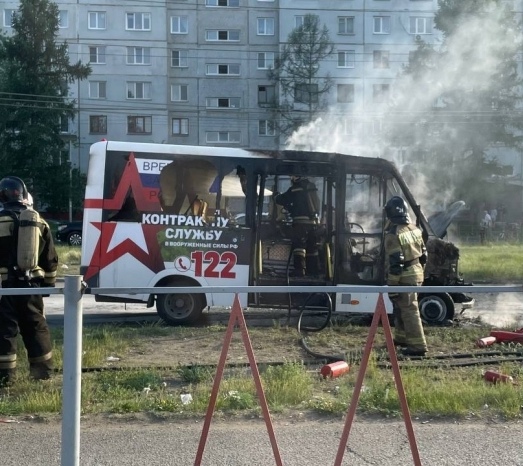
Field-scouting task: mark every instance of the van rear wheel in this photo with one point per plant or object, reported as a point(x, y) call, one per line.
point(180, 308)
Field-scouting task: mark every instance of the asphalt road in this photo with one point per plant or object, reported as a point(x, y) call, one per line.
point(496, 309)
point(240, 443)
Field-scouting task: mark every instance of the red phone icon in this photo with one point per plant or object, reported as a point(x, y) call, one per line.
point(180, 264)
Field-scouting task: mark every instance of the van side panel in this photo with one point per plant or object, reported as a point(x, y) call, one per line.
point(130, 240)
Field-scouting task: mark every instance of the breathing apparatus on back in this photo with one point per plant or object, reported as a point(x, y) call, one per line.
point(27, 222)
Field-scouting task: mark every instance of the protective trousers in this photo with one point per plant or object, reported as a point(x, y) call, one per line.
point(305, 249)
point(408, 328)
point(24, 315)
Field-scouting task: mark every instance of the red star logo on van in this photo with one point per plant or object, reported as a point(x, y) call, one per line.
point(112, 245)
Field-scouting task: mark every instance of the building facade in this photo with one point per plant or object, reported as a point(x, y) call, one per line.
point(195, 71)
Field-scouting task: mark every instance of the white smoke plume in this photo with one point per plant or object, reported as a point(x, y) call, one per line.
point(470, 59)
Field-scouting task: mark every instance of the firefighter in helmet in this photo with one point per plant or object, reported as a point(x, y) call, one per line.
point(405, 257)
point(24, 314)
point(302, 202)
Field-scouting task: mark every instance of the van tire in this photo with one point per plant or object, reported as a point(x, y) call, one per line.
point(437, 308)
point(180, 308)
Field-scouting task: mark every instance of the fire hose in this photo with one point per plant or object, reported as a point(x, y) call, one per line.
point(323, 315)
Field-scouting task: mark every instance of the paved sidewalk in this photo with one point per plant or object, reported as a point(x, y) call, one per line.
point(246, 442)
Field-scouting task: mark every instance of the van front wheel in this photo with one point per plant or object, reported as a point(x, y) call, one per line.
point(436, 308)
point(180, 308)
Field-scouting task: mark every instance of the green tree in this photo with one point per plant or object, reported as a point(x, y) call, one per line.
point(457, 100)
point(298, 78)
point(35, 74)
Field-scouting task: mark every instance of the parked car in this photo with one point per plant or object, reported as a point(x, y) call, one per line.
point(69, 233)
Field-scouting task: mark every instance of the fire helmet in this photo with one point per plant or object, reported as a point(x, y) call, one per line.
point(12, 189)
point(396, 209)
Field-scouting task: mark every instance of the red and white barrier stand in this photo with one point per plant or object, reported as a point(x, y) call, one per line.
point(379, 315)
point(237, 317)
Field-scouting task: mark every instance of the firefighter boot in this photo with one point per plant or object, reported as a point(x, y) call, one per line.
point(313, 264)
point(6, 377)
point(40, 370)
point(299, 263)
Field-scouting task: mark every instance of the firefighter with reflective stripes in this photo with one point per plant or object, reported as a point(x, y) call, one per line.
point(405, 257)
point(302, 202)
point(28, 259)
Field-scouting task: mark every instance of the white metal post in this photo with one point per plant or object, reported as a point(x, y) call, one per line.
point(72, 379)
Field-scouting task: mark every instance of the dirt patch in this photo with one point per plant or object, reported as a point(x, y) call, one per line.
point(204, 346)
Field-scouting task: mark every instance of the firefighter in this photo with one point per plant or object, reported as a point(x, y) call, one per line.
point(302, 203)
point(24, 314)
point(405, 257)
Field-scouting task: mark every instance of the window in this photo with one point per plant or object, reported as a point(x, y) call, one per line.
point(179, 92)
point(223, 136)
point(346, 25)
point(377, 125)
point(179, 59)
point(63, 19)
point(419, 25)
point(64, 124)
point(227, 35)
point(266, 128)
point(96, 19)
point(380, 92)
point(223, 102)
point(179, 25)
point(381, 25)
point(138, 56)
point(231, 70)
point(381, 58)
point(306, 93)
point(138, 90)
point(97, 55)
point(138, 21)
point(266, 95)
point(348, 126)
point(265, 60)
point(139, 124)
point(265, 26)
point(8, 18)
point(97, 89)
point(227, 3)
point(298, 21)
point(345, 93)
point(180, 126)
point(346, 59)
point(98, 124)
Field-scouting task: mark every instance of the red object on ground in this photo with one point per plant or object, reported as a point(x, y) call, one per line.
point(334, 369)
point(493, 376)
point(504, 336)
point(486, 341)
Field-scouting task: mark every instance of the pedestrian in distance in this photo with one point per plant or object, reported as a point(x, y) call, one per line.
point(485, 227)
point(28, 259)
point(405, 258)
point(302, 202)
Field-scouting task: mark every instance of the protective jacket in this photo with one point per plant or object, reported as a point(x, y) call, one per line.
point(405, 253)
point(45, 272)
point(301, 200)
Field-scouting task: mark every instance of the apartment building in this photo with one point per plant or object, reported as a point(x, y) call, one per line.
point(195, 71)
